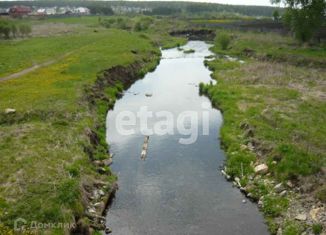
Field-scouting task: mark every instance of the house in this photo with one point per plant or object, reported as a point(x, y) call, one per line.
point(19, 11)
point(82, 11)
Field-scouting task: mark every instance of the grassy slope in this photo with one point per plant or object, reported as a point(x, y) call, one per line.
point(270, 46)
point(273, 113)
point(42, 159)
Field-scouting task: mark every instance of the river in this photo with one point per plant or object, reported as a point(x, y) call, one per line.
point(178, 189)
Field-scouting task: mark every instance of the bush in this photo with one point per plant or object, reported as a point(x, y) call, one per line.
point(223, 39)
point(317, 228)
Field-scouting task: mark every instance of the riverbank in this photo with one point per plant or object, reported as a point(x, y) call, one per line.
point(273, 108)
point(53, 123)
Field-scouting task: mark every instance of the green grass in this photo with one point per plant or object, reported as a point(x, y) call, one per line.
point(43, 163)
point(273, 47)
point(276, 107)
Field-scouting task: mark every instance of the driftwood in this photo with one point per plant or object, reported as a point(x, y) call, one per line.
point(144, 150)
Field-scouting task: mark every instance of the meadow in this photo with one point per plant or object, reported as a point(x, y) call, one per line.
point(44, 166)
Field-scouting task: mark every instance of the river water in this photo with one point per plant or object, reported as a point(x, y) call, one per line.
point(178, 188)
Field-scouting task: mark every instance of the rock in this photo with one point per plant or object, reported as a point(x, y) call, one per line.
point(261, 202)
point(101, 193)
point(242, 189)
point(99, 205)
point(283, 193)
point(289, 184)
point(249, 195)
point(108, 162)
point(108, 230)
point(279, 231)
point(301, 217)
point(261, 169)
point(279, 188)
point(9, 110)
point(91, 211)
point(148, 95)
point(237, 180)
point(314, 214)
point(244, 201)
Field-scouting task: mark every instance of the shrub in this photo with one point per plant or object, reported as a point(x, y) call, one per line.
point(317, 228)
point(223, 39)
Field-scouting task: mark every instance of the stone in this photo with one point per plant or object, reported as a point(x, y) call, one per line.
point(249, 195)
point(101, 192)
point(279, 188)
point(92, 211)
point(9, 110)
point(108, 162)
point(283, 193)
point(261, 169)
point(289, 184)
point(301, 217)
point(237, 180)
point(314, 214)
point(108, 230)
point(244, 201)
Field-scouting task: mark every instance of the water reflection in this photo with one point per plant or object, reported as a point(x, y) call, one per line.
point(178, 189)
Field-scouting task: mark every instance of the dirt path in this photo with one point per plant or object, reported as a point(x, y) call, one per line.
point(33, 68)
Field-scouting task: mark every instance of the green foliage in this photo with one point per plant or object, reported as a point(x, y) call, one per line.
point(317, 229)
point(11, 28)
point(292, 228)
point(276, 15)
point(274, 205)
point(223, 39)
point(321, 194)
point(305, 18)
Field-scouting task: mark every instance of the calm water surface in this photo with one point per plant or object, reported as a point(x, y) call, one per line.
point(178, 189)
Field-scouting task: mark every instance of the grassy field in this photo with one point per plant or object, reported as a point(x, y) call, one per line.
point(43, 165)
point(273, 47)
point(273, 113)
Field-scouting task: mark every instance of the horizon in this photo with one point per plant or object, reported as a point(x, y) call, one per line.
point(266, 3)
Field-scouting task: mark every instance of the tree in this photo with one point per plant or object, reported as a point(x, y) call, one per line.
point(276, 15)
point(304, 17)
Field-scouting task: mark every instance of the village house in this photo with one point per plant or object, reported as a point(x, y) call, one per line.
point(19, 11)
